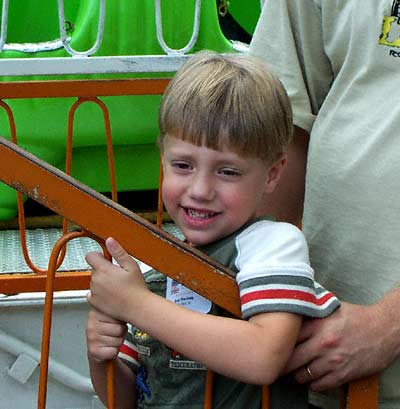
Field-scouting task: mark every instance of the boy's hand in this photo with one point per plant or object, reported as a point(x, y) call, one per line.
point(115, 290)
point(104, 336)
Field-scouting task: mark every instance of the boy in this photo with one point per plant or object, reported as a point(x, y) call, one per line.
point(225, 123)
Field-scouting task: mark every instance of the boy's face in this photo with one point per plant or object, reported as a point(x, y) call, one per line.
point(210, 194)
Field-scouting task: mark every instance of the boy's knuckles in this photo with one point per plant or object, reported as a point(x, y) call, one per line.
point(119, 253)
point(106, 353)
point(119, 331)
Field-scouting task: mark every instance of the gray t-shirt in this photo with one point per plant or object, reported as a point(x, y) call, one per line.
point(270, 261)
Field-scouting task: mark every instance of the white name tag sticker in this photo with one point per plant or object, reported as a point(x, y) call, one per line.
point(181, 295)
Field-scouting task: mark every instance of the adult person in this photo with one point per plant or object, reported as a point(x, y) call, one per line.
point(339, 62)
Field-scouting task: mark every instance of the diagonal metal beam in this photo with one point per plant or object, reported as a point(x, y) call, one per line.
point(104, 218)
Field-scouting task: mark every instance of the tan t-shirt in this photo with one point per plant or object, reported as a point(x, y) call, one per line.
point(340, 63)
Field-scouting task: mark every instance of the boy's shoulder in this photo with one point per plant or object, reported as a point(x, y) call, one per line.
point(269, 228)
point(259, 239)
point(267, 239)
point(270, 223)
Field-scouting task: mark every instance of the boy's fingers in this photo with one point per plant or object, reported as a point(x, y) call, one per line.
point(101, 316)
point(93, 258)
point(120, 255)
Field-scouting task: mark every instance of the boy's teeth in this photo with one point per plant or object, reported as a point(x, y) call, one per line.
point(200, 215)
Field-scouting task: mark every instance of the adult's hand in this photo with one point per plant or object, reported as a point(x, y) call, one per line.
point(353, 342)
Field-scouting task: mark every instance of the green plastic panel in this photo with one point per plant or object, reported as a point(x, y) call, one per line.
point(246, 13)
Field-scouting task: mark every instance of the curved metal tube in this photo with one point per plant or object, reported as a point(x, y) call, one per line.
point(63, 33)
point(24, 47)
point(110, 151)
point(35, 47)
point(48, 316)
point(195, 34)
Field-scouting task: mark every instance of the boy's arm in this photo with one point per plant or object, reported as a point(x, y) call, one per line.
point(104, 336)
point(125, 383)
point(253, 351)
point(286, 202)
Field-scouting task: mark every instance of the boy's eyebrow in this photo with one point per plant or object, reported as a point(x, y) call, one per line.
point(180, 154)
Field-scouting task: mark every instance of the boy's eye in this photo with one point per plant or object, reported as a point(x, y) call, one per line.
point(181, 165)
point(230, 172)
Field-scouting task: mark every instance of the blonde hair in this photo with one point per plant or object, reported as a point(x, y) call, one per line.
point(228, 100)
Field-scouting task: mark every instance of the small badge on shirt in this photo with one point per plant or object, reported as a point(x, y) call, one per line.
point(142, 350)
point(177, 361)
point(141, 336)
point(181, 295)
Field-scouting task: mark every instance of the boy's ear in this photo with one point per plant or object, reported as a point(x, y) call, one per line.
point(275, 173)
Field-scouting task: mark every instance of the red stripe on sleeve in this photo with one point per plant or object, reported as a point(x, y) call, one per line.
point(125, 349)
point(285, 294)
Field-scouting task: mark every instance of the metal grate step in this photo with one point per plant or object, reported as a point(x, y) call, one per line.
point(40, 243)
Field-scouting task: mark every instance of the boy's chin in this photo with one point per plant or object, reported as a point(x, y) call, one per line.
point(201, 238)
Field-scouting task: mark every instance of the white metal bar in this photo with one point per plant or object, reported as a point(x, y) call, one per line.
point(91, 65)
point(34, 47)
point(4, 21)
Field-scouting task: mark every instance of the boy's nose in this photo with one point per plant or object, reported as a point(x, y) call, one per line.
point(202, 188)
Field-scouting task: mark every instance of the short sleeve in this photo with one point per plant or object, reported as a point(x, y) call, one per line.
point(128, 352)
point(275, 274)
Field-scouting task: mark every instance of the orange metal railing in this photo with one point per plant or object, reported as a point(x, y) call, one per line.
point(44, 183)
point(86, 91)
point(89, 90)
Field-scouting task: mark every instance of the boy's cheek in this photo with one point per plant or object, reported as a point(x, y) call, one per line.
point(169, 195)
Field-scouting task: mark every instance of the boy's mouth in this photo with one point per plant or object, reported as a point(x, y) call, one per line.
point(199, 214)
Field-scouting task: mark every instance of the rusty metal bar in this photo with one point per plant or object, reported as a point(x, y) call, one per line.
point(21, 217)
point(48, 316)
point(160, 203)
point(103, 217)
point(82, 88)
point(47, 319)
point(27, 283)
point(209, 389)
point(363, 393)
point(107, 128)
point(114, 197)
